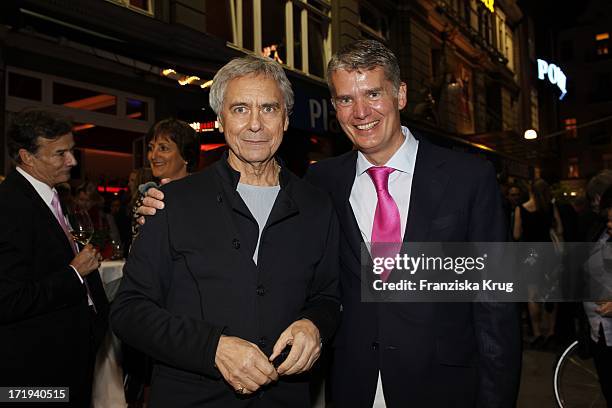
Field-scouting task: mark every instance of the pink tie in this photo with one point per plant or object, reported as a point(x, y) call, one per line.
point(59, 215)
point(387, 225)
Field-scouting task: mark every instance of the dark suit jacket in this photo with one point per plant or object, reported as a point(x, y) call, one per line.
point(190, 277)
point(429, 354)
point(48, 336)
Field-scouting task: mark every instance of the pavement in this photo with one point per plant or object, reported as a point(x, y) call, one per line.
point(537, 389)
point(537, 380)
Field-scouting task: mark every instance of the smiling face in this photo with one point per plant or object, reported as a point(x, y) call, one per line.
point(253, 119)
point(368, 111)
point(165, 158)
point(53, 160)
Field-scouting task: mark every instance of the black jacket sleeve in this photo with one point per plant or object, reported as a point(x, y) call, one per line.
point(323, 304)
point(138, 314)
point(497, 325)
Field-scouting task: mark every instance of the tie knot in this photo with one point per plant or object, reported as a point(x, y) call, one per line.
point(380, 176)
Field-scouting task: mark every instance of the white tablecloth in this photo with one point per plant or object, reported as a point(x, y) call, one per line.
point(107, 389)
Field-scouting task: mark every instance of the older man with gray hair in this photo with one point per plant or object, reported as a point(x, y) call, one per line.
point(239, 270)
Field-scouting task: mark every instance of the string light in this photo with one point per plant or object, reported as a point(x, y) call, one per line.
point(184, 79)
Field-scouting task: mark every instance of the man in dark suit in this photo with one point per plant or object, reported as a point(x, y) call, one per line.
point(410, 354)
point(241, 263)
point(53, 310)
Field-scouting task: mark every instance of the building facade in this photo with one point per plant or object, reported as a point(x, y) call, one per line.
point(118, 66)
point(585, 116)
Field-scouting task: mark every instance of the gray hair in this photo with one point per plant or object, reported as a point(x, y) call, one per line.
point(249, 65)
point(365, 55)
point(599, 183)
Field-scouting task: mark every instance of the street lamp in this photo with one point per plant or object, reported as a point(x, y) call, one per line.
point(530, 134)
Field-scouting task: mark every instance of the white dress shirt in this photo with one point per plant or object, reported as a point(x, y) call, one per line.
point(46, 193)
point(595, 265)
point(363, 200)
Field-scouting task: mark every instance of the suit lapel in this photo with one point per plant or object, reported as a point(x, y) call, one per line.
point(346, 178)
point(52, 225)
point(428, 185)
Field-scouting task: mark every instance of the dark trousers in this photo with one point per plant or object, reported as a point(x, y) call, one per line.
point(602, 356)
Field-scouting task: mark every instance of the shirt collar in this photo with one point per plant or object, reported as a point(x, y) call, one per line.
point(44, 191)
point(402, 160)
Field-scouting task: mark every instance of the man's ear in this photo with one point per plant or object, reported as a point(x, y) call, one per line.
point(286, 126)
point(220, 123)
point(26, 157)
point(402, 95)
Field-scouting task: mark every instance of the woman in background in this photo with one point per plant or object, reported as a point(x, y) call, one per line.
point(533, 222)
point(173, 152)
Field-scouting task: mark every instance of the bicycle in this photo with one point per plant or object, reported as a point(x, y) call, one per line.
point(575, 381)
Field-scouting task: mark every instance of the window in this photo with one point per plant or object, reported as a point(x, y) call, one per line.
point(567, 51)
point(219, 19)
point(136, 109)
point(373, 23)
point(509, 53)
point(24, 86)
point(293, 32)
point(500, 20)
point(602, 44)
point(570, 128)
point(86, 99)
point(606, 160)
point(503, 40)
point(143, 6)
point(484, 24)
point(273, 30)
point(89, 105)
point(573, 170)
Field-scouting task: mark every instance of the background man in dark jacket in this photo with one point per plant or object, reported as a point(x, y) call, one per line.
point(241, 263)
point(53, 309)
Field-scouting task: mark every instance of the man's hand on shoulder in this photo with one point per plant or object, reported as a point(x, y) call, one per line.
point(153, 201)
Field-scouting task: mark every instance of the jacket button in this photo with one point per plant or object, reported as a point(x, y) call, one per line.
point(375, 345)
point(263, 342)
point(261, 290)
point(236, 243)
point(219, 198)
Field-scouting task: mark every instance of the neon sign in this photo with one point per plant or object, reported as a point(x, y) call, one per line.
point(554, 74)
point(489, 5)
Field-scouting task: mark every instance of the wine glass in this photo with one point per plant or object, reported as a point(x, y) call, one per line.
point(81, 227)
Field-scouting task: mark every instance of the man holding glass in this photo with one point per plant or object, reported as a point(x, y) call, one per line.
point(53, 310)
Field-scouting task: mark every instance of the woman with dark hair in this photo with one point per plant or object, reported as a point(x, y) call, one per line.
point(533, 222)
point(173, 149)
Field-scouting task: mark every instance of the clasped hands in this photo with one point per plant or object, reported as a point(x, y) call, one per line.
point(246, 368)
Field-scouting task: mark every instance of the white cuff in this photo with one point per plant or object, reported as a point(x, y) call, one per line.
point(77, 273)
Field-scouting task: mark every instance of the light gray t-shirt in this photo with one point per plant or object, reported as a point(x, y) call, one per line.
point(259, 200)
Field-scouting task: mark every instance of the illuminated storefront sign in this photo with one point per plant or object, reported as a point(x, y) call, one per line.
point(489, 5)
point(205, 126)
point(554, 74)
